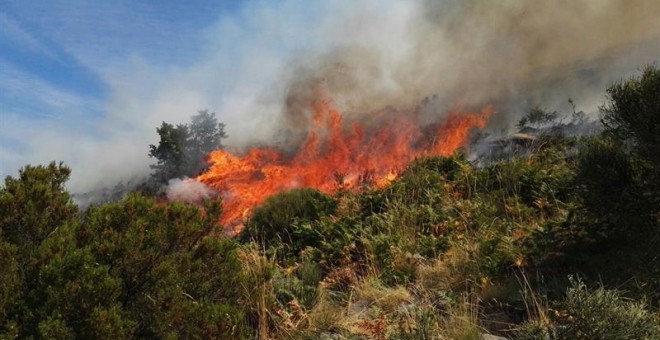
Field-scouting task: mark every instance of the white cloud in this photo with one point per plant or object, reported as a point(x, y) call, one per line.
point(23, 87)
point(12, 30)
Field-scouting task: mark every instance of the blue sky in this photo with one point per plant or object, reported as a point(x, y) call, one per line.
point(55, 56)
point(74, 72)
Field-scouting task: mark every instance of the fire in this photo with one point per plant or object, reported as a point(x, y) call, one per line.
point(335, 155)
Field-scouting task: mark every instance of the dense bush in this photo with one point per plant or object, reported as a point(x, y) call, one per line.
point(133, 268)
point(633, 113)
point(604, 314)
point(279, 220)
point(34, 204)
point(612, 229)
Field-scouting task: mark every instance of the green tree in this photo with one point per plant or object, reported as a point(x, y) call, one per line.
point(170, 152)
point(182, 149)
point(33, 209)
point(621, 170)
point(175, 281)
point(613, 232)
point(206, 135)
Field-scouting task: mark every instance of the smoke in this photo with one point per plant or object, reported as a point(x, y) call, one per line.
point(188, 191)
point(514, 54)
point(262, 66)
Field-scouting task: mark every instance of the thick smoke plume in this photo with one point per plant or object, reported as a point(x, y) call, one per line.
point(514, 54)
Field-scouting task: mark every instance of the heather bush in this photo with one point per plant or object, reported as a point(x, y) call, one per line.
point(279, 221)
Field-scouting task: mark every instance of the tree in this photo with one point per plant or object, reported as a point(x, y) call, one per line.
point(206, 135)
point(182, 150)
point(174, 281)
point(618, 181)
point(632, 120)
point(33, 208)
point(537, 117)
point(170, 152)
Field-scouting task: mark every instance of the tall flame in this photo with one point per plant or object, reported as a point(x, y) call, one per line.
point(333, 156)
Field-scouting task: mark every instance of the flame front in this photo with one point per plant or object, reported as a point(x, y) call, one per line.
point(333, 157)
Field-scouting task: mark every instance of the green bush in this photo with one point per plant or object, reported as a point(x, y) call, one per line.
point(451, 168)
point(279, 221)
point(34, 204)
point(175, 281)
point(130, 269)
point(633, 113)
point(604, 314)
point(606, 176)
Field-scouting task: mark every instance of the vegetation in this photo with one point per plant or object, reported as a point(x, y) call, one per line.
point(133, 268)
point(182, 149)
point(558, 243)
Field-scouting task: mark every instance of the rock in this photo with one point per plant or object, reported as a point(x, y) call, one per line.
point(492, 337)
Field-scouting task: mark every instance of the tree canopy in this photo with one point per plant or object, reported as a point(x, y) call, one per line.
point(182, 149)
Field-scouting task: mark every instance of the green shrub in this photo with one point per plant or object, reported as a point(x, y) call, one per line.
point(34, 204)
point(451, 168)
point(633, 113)
point(174, 280)
point(130, 269)
point(272, 223)
point(604, 314)
point(606, 177)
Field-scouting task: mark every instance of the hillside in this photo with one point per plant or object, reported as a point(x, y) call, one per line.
point(558, 242)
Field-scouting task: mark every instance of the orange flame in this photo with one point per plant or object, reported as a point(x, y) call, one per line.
point(332, 157)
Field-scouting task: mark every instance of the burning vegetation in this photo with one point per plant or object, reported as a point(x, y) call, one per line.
point(364, 222)
point(556, 243)
point(335, 155)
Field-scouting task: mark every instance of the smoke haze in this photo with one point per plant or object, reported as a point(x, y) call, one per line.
point(188, 191)
point(261, 67)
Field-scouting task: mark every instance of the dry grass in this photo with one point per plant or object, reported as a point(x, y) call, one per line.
point(463, 321)
point(259, 289)
point(372, 292)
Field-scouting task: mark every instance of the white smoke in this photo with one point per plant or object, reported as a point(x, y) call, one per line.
point(188, 191)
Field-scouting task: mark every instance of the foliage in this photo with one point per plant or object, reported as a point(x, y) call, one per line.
point(537, 117)
point(174, 279)
point(182, 149)
point(612, 229)
point(604, 314)
point(134, 268)
point(34, 204)
point(439, 253)
point(170, 152)
point(277, 220)
point(633, 113)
